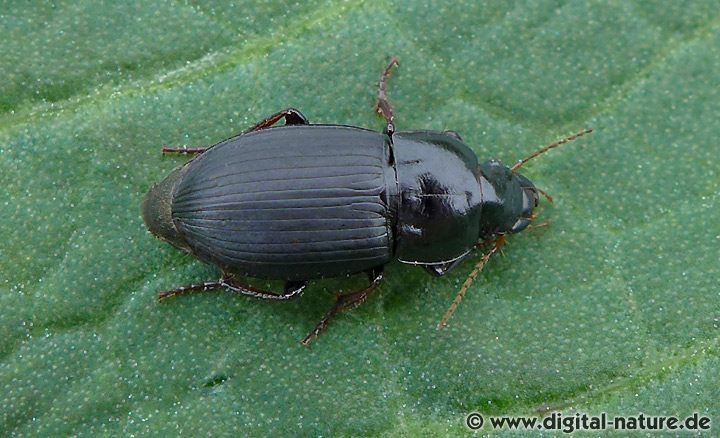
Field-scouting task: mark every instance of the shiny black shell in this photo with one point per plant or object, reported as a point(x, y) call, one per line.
point(267, 205)
point(299, 202)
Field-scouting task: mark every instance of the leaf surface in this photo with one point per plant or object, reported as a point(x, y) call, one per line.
point(614, 307)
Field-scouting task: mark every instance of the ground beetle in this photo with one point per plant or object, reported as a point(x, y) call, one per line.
point(304, 201)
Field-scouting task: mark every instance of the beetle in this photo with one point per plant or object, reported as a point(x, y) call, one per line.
point(305, 201)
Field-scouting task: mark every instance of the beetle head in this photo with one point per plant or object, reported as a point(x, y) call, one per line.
point(508, 197)
point(508, 200)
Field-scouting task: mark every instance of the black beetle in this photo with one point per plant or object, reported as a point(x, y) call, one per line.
point(305, 201)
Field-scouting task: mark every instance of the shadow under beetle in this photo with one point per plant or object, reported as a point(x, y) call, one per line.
point(305, 201)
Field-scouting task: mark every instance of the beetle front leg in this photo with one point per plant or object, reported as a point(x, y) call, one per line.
point(344, 302)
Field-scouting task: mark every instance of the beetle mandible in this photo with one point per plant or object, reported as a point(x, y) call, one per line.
point(305, 201)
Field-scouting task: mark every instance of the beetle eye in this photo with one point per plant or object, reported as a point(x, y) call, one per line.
point(533, 195)
point(520, 225)
point(529, 201)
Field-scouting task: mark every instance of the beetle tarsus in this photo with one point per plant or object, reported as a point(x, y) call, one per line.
point(345, 302)
point(383, 105)
point(183, 150)
point(188, 289)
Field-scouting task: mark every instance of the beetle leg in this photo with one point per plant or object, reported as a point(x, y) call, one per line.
point(184, 290)
point(499, 242)
point(544, 223)
point(183, 150)
point(344, 302)
point(383, 106)
point(293, 289)
point(291, 116)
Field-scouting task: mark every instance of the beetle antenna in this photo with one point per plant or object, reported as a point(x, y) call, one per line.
point(544, 193)
point(520, 163)
point(469, 281)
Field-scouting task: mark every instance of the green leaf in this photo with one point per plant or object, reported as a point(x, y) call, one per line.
point(614, 307)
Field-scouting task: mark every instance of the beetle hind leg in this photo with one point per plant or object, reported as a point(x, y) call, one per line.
point(188, 289)
point(291, 116)
point(345, 302)
point(183, 150)
point(293, 289)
